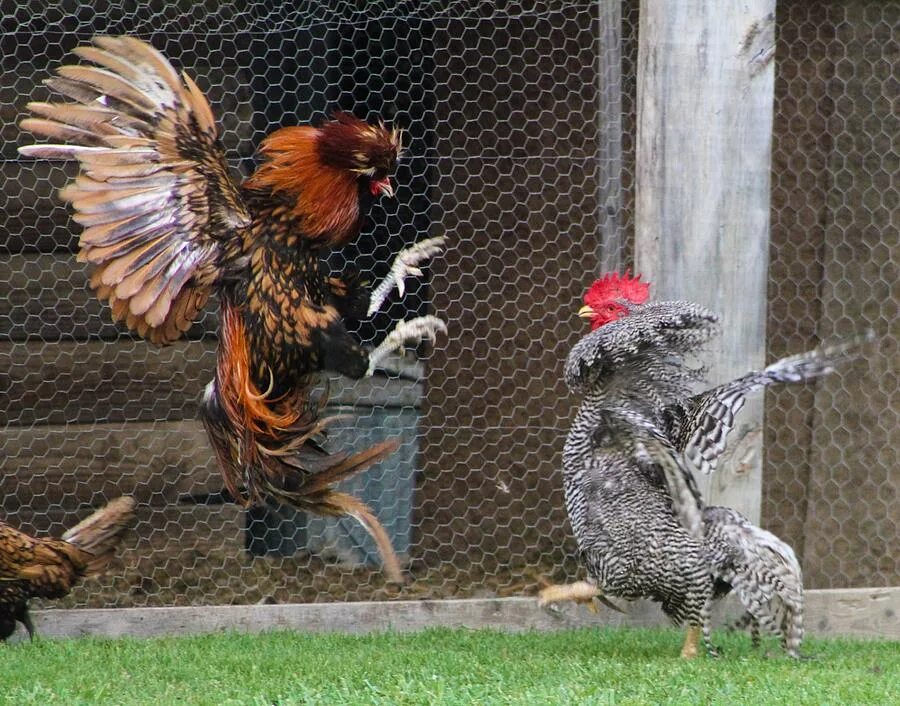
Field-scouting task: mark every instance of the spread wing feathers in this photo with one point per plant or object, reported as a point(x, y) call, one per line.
point(162, 216)
point(628, 433)
point(700, 425)
point(642, 354)
point(762, 570)
point(686, 499)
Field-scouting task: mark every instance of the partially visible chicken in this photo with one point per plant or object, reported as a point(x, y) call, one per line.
point(166, 227)
point(49, 568)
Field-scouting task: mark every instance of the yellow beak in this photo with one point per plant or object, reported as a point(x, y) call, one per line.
point(586, 312)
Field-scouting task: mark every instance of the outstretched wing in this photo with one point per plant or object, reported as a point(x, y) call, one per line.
point(162, 216)
point(699, 426)
point(628, 433)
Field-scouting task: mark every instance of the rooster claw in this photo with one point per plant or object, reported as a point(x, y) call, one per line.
point(412, 331)
point(405, 265)
point(579, 592)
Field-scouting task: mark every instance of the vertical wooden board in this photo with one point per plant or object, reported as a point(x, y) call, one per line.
point(517, 192)
point(705, 91)
point(853, 519)
point(609, 139)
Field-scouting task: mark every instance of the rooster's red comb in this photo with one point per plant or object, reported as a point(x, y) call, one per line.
point(613, 286)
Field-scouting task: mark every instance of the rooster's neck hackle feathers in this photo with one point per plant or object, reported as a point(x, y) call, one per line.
point(320, 169)
point(325, 199)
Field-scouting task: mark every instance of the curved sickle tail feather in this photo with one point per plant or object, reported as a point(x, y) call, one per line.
point(242, 400)
point(100, 534)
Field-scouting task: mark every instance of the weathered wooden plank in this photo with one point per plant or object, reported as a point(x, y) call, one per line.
point(705, 95)
point(67, 466)
point(852, 505)
point(172, 537)
point(70, 466)
point(609, 139)
point(103, 382)
point(859, 612)
point(131, 381)
point(48, 297)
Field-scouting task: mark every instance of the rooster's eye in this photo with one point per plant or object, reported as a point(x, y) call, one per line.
point(610, 308)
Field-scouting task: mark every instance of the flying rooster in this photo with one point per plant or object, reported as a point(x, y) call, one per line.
point(166, 227)
point(641, 525)
point(48, 568)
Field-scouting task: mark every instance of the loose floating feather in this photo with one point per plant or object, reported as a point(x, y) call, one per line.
point(162, 217)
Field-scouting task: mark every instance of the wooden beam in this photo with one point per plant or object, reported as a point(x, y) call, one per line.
point(74, 465)
point(85, 382)
point(862, 612)
point(48, 297)
point(609, 218)
point(705, 98)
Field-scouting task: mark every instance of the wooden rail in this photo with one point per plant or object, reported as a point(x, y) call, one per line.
point(860, 612)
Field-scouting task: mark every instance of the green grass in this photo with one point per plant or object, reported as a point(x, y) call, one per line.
point(442, 667)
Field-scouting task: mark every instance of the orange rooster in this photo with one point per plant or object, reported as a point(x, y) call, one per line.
point(48, 568)
point(166, 227)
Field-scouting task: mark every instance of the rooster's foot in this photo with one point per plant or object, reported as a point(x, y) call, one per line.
point(405, 265)
point(412, 331)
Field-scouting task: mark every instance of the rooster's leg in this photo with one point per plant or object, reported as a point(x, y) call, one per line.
point(24, 617)
point(706, 621)
point(578, 592)
point(405, 265)
point(691, 640)
point(754, 633)
point(411, 331)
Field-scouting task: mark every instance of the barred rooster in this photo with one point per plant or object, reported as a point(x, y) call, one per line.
point(49, 568)
point(166, 227)
point(635, 509)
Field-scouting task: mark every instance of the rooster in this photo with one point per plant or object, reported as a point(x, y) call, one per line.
point(48, 568)
point(166, 227)
point(634, 506)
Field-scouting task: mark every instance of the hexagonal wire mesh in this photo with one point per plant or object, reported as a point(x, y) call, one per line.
point(506, 155)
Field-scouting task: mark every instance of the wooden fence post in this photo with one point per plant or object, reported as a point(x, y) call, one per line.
point(705, 99)
point(609, 203)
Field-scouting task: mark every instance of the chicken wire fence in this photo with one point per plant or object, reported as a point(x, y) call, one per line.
point(504, 105)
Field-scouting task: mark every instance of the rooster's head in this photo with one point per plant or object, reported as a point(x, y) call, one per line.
point(607, 297)
point(370, 151)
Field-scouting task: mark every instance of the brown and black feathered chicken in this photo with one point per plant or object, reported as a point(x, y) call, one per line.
point(641, 525)
point(165, 227)
point(48, 568)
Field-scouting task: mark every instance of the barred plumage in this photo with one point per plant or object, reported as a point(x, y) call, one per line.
point(635, 509)
point(621, 512)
